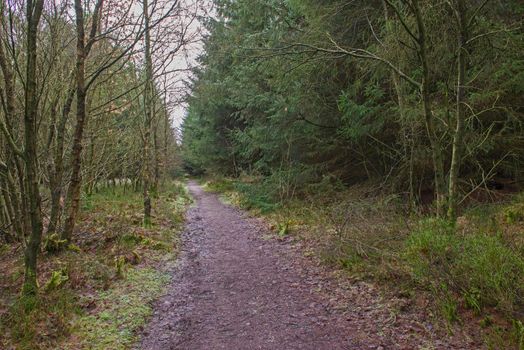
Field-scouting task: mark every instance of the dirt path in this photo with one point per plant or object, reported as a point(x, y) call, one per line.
point(236, 289)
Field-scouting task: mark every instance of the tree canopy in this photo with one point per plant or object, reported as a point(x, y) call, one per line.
point(425, 96)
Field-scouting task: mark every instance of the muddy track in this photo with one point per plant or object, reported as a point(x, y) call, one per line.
point(236, 289)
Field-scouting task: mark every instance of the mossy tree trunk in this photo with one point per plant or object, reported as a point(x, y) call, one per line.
point(147, 180)
point(73, 195)
point(32, 191)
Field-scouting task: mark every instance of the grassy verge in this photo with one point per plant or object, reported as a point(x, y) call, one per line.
point(471, 273)
point(98, 293)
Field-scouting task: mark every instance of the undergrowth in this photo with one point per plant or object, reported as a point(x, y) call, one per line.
point(470, 272)
point(120, 312)
point(97, 293)
point(481, 268)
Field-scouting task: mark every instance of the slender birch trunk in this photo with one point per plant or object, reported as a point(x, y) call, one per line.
point(458, 136)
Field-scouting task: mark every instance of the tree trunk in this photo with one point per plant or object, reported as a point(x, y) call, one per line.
point(148, 92)
point(156, 143)
point(32, 193)
point(436, 150)
point(13, 205)
point(14, 198)
point(56, 177)
point(407, 136)
point(166, 140)
point(73, 193)
point(460, 108)
point(9, 217)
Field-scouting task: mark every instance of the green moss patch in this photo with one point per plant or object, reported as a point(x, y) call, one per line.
point(120, 312)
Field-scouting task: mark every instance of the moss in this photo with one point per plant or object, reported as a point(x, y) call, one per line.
point(514, 214)
point(4, 249)
point(121, 311)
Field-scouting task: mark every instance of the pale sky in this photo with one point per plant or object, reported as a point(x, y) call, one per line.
point(165, 36)
point(186, 59)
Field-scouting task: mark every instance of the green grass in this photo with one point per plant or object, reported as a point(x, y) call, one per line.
point(480, 267)
point(475, 268)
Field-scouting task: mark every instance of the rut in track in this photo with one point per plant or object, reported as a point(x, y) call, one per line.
point(235, 289)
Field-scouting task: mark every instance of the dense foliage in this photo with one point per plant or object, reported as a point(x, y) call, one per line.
point(423, 96)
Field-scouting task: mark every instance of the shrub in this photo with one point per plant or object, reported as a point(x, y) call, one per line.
point(58, 278)
point(220, 185)
point(53, 243)
point(260, 196)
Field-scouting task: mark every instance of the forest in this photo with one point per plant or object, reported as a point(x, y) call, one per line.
point(385, 136)
point(347, 117)
point(426, 96)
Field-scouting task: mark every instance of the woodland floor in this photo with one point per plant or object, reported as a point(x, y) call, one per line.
point(237, 286)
